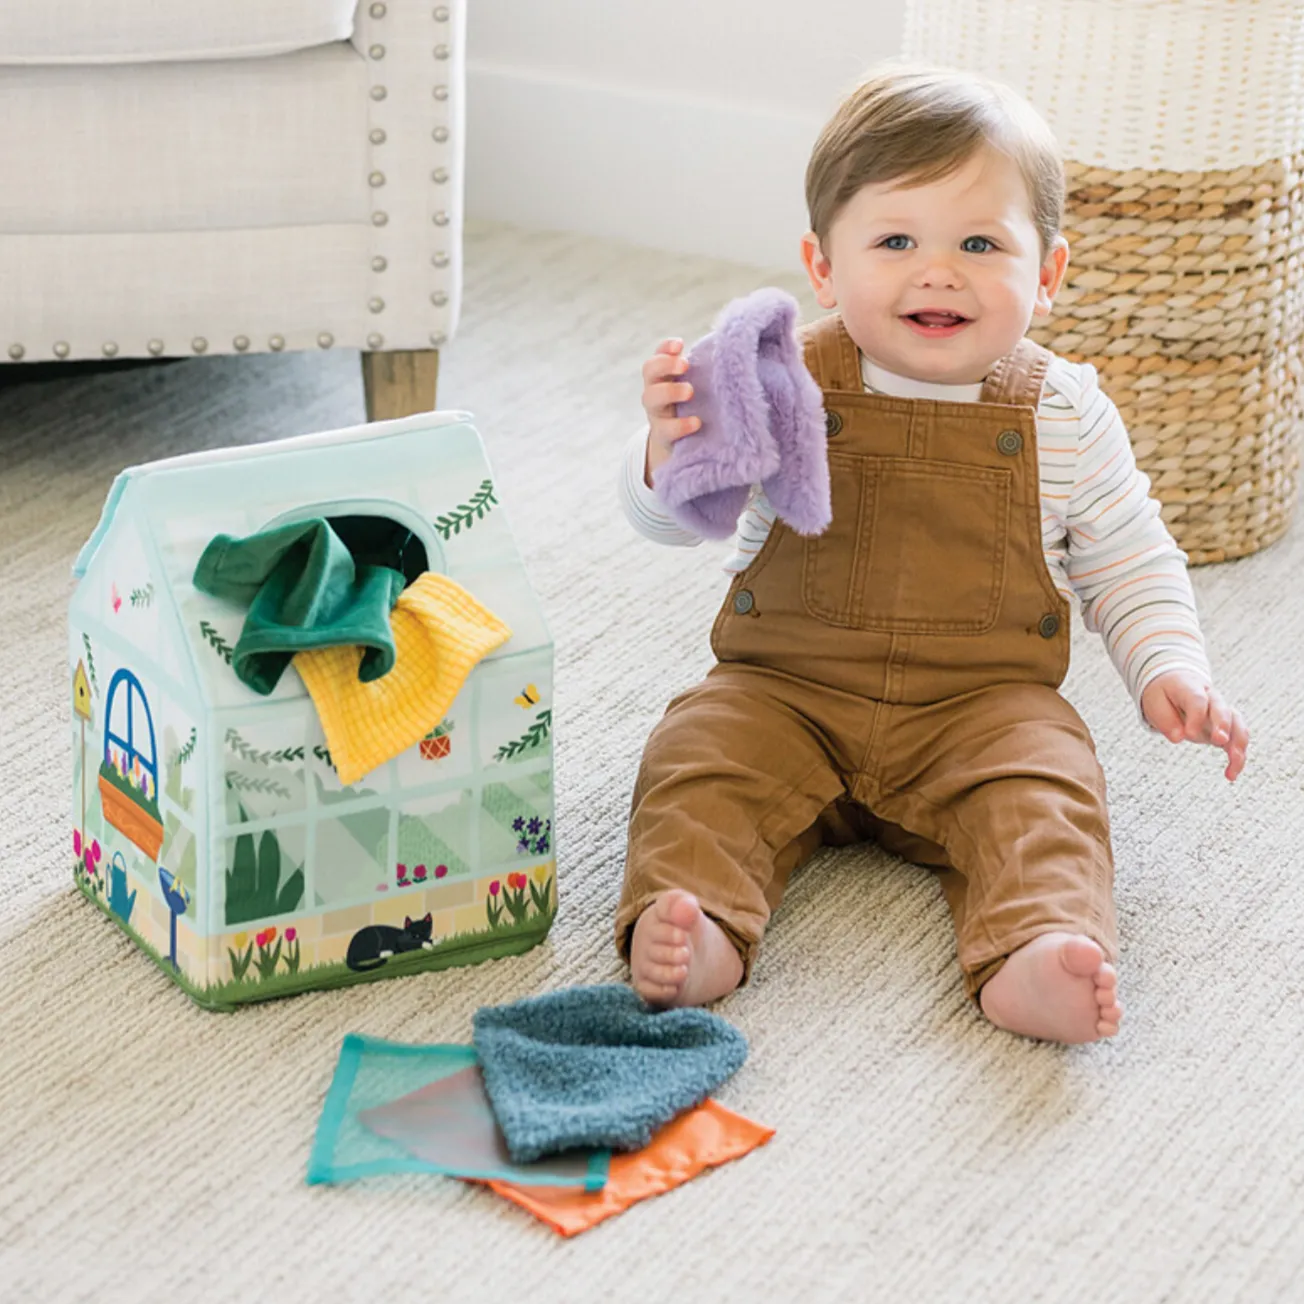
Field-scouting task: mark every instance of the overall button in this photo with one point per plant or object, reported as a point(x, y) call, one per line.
point(1009, 442)
point(1048, 626)
point(832, 423)
point(743, 601)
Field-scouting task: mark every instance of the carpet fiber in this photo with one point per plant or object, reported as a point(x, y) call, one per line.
point(151, 1150)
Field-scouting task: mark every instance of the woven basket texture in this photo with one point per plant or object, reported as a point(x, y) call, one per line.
point(1186, 293)
point(1184, 130)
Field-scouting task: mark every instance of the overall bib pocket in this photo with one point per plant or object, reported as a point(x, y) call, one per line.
point(915, 547)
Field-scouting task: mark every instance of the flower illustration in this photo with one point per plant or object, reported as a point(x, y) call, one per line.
point(290, 934)
point(494, 888)
point(241, 940)
point(419, 873)
point(534, 825)
point(441, 871)
point(76, 843)
point(518, 824)
point(541, 874)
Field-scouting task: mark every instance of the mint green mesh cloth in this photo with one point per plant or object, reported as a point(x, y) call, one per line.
point(397, 1108)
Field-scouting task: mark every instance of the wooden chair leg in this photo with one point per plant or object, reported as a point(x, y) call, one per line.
point(400, 384)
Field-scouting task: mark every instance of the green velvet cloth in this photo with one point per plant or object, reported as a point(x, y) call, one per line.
point(312, 584)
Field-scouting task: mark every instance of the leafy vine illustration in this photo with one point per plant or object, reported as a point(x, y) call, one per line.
point(185, 752)
point(243, 783)
point(468, 513)
point(220, 645)
point(143, 597)
point(532, 737)
point(90, 661)
point(284, 756)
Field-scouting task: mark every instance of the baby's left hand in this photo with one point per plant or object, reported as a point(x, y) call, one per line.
point(1182, 706)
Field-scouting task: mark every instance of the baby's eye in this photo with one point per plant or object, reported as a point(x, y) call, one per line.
point(976, 244)
point(897, 242)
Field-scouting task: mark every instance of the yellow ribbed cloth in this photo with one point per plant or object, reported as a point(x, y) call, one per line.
point(440, 633)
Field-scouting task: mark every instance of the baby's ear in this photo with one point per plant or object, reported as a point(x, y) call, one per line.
point(818, 269)
point(1051, 276)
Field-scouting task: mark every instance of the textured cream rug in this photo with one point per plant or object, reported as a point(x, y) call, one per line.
point(151, 1151)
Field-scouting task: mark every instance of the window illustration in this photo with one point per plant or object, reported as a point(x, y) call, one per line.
point(129, 771)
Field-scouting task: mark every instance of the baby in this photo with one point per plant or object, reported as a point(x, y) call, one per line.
point(896, 677)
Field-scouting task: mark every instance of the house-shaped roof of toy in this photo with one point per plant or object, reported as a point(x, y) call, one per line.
point(427, 472)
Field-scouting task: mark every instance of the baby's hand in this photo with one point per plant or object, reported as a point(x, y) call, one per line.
point(1182, 706)
point(661, 391)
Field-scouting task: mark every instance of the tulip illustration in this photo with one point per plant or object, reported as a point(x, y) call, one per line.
point(267, 959)
point(241, 956)
point(292, 950)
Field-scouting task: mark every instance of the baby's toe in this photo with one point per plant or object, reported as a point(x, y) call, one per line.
point(679, 910)
point(671, 952)
point(665, 975)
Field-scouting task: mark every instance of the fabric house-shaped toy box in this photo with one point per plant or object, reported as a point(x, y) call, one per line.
point(209, 820)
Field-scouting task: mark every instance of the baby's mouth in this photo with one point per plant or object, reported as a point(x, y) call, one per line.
point(936, 319)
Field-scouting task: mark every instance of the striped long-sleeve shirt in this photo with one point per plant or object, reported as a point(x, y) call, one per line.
point(1101, 531)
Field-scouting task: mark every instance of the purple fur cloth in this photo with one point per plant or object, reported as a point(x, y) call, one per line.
point(762, 423)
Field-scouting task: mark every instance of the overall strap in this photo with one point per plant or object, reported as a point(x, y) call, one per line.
point(830, 354)
point(1017, 378)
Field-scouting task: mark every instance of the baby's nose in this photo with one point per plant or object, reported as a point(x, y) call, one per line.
point(939, 270)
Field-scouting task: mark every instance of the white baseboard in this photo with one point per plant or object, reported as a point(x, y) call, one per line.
point(695, 176)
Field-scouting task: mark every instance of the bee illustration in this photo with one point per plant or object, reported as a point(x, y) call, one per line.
point(528, 697)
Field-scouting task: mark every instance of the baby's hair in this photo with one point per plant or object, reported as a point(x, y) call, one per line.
point(914, 124)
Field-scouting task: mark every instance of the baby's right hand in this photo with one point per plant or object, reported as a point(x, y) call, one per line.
point(661, 391)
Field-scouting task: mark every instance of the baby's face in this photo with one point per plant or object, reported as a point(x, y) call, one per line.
point(938, 281)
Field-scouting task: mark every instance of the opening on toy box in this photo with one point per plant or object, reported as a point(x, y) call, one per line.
point(377, 532)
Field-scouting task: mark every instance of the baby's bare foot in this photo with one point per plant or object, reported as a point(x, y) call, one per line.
point(681, 956)
point(1058, 988)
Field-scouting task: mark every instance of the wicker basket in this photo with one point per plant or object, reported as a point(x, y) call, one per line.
point(1186, 222)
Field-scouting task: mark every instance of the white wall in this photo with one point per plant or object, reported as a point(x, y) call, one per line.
point(683, 124)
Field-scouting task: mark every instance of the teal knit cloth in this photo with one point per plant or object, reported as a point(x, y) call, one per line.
point(595, 1067)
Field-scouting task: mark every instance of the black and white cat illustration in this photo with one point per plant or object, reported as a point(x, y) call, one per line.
point(371, 946)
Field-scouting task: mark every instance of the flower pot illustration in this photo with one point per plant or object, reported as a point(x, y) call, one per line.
point(437, 743)
point(129, 771)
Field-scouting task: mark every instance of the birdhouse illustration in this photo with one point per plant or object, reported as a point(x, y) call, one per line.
point(258, 841)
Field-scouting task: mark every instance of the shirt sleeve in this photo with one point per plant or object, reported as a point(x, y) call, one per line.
point(642, 508)
point(1123, 564)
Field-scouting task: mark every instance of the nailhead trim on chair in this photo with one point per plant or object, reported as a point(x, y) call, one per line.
point(377, 135)
point(439, 176)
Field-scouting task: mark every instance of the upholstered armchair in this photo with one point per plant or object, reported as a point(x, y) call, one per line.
point(233, 176)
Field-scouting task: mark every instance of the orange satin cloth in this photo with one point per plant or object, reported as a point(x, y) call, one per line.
point(703, 1137)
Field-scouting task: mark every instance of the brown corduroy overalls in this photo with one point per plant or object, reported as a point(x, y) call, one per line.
point(894, 678)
